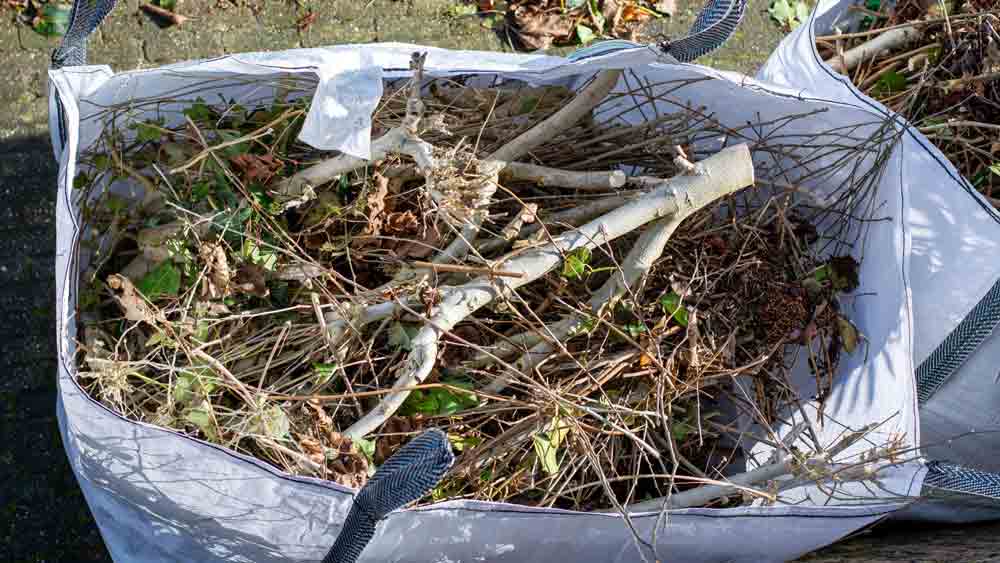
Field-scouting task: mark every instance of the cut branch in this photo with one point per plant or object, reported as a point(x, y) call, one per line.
point(597, 181)
point(892, 39)
point(719, 175)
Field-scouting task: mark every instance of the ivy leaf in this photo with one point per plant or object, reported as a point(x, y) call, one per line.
point(671, 304)
point(264, 258)
point(163, 281)
point(995, 168)
point(576, 263)
point(547, 442)
point(440, 402)
point(585, 34)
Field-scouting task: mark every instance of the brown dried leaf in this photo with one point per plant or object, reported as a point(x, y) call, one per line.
point(538, 27)
point(306, 21)
point(216, 285)
point(422, 247)
point(251, 278)
point(313, 450)
point(375, 209)
point(131, 302)
point(257, 168)
point(402, 223)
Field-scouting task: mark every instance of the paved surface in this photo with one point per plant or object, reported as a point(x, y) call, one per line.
point(43, 517)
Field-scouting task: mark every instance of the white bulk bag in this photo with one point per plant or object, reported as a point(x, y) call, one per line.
point(160, 496)
point(954, 278)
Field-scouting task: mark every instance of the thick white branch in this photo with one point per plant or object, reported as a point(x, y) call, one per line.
point(301, 187)
point(581, 104)
point(719, 175)
point(600, 181)
point(634, 268)
point(883, 42)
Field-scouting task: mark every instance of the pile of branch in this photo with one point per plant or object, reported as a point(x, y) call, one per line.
point(938, 65)
point(571, 295)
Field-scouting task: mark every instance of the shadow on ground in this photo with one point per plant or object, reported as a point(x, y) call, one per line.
point(43, 516)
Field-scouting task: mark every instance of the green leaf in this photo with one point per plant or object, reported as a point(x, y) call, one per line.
point(323, 373)
point(148, 131)
point(53, 20)
point(462, 10)
point(802, 11)
point(547, 442)
point(367, 447)
point(271, 422)
point(576, 263)
point(573, 4)
point(102, 161)
point(636, 329)
point(231, 151)
point(528, 105)
point(789, 13)
point(995, 168)
point(671, 304)
point(401, 336)
point(169, 5)
point(844, 272)
point(822, 273)
point(890, 83)
point(460, 443)
point(199, 111)
point(585, 34)
point(440, 402)
point(596, 15)
point(117, 205)
point(201, 417)
point(680, 430)
point(163, 281)
point(82, 180)
point(264, 258)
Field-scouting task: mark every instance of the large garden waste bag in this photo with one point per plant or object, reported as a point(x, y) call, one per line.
point(811, 441)
point(952, 281)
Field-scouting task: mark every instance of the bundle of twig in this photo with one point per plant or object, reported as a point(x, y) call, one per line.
point(567, 293)
point(937, 64)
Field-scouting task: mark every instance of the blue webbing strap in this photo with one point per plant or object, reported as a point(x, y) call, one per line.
point(408, 475)
point(84, 18)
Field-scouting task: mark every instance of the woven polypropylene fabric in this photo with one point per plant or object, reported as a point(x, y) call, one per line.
point(959, 479)
point(713, 27)
point(409, 474)
point(949, 356)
